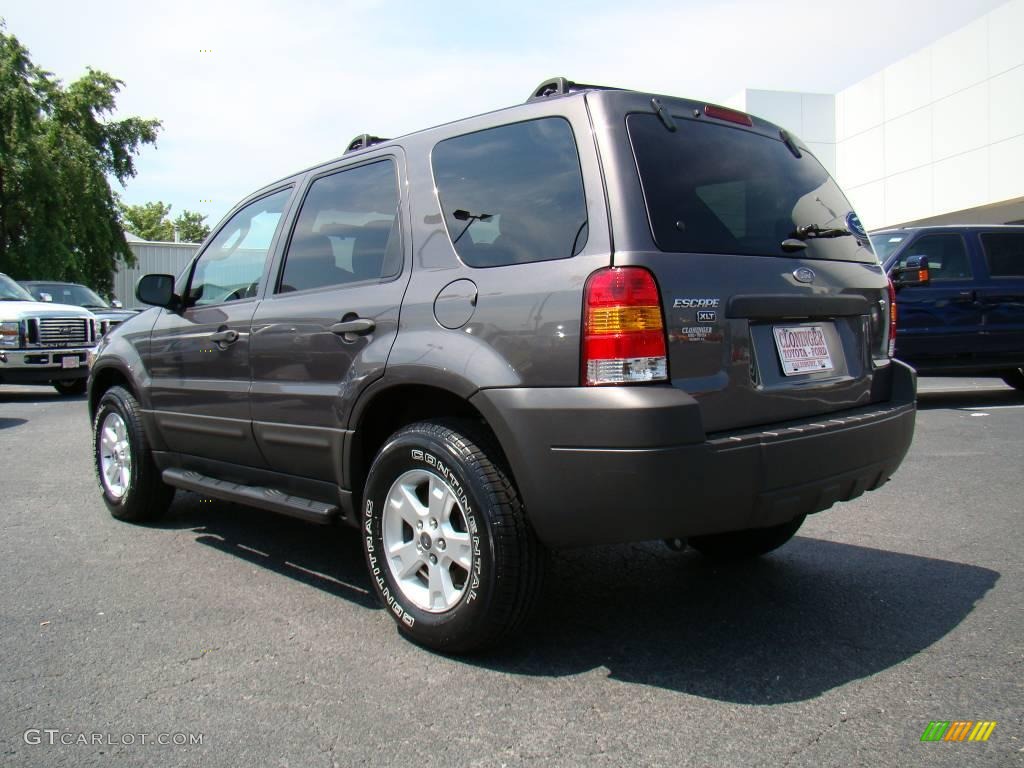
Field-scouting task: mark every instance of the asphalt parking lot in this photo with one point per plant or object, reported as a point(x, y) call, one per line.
point(258, 636)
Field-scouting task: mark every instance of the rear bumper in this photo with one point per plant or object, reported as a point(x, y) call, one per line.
point(41, 366)
point(606, 465)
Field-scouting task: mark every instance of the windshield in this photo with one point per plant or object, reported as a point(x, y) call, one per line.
point(67, 293)
point(886, 244)
point(710, 188)
point(11, 291)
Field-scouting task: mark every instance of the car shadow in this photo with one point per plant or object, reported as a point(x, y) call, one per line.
point(6, 423)
point(787, 627)
point(329, 558)
point(972, 398)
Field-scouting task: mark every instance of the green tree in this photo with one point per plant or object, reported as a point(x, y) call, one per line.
point(191, 226)
point(152, 221)
point(58, 150)
point(149, 221)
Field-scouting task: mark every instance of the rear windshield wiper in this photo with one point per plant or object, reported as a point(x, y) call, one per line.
point(809, 231)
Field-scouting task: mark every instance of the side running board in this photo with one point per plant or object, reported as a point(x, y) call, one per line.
point(252, 495)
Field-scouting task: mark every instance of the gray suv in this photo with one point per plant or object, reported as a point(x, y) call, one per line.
point(600, 316)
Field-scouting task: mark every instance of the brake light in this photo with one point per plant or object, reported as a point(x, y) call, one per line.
point(733, 116)
point(892, 319)
point(623, 328)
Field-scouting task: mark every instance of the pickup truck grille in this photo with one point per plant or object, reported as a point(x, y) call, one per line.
point(63, 331)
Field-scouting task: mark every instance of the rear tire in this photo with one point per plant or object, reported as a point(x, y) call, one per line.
point(741, 545)
point(70, 387)
point(129, 478)
point(450, 552)
point(1015, 379)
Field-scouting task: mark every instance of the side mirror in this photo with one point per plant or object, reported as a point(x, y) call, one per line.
point(116, 304)
point(157, 290)
point(45, 296)
point(915, 272)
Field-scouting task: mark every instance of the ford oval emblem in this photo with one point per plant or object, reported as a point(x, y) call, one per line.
point(804, 275)
point(856, 228)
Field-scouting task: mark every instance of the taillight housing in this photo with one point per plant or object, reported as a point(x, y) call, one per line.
point(892, 319)
point(623, 328)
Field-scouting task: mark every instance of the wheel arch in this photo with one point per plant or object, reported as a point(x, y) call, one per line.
point(384, 411)
point(103, 379)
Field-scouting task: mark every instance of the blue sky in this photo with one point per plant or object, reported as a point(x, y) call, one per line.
point(287, 85)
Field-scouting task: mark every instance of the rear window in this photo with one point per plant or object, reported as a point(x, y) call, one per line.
point(710, 188)
point(1004, 252)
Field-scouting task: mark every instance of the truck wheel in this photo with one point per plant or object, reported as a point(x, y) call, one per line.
point(69, 387)
point(739, 545)
point(451, 554)
point(1015, 378)
point(132, 488)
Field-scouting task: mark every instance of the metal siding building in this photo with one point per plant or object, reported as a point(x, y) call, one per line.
point(151, 258)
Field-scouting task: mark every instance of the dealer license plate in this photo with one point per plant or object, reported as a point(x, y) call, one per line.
point(802, 349)
point(69, 361)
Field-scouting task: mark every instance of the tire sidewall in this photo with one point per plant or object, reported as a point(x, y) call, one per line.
point(111, 403)
point(419, 449)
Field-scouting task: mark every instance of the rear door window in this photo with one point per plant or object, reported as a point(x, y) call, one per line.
point(512, 194)
point(1004, 252)
point(710, 188)
point(347, 230)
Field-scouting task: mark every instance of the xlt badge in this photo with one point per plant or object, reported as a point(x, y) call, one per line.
point(706, 316)
point(694, 303)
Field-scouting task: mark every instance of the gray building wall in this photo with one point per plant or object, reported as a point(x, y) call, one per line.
point(151, 258)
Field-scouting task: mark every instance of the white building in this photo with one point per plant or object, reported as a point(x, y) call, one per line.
point(937, 137)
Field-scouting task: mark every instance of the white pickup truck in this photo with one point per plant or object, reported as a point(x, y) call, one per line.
point(44, 343)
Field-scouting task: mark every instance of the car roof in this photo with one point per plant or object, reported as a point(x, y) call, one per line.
point(554, 89)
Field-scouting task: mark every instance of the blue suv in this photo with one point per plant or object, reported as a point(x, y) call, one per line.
point(960, 292)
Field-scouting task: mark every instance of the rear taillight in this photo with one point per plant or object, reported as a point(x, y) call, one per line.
point(623, 328)
point(892, 319)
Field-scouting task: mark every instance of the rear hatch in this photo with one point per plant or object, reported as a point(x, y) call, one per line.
point(775, 305)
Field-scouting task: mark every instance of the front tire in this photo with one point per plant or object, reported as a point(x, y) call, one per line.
point(741, 545)
point(448, 546)
point(130, 480)
point(70, 387)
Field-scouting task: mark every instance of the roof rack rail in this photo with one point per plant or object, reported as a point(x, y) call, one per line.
point(362, 141)
point(560, 86)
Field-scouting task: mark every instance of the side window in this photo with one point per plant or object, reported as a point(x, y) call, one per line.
point(232, 265)
point(947, 257)
point(347, 230)
point(1004, 252)
point(513, 194)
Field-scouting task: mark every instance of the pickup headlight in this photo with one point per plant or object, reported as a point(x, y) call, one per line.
point(10, 334)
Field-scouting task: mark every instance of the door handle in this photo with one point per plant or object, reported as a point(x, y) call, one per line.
point(224, 337)
point(350, 329)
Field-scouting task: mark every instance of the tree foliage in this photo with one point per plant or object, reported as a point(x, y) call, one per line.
point(152, 221)
point(58, 148)
point(191, 226)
